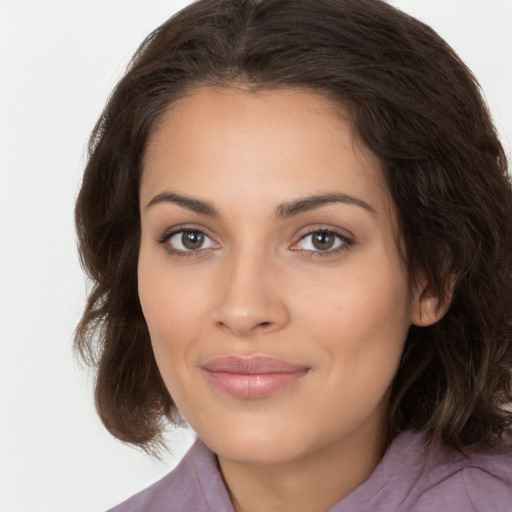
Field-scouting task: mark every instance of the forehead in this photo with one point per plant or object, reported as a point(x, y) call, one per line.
point(286, 142)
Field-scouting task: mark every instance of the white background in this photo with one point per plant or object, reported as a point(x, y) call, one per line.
point(58, 61)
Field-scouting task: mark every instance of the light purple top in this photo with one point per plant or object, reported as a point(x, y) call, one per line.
point(410, 477)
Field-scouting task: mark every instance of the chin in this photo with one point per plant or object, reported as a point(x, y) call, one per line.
point(258, 452)
point(253, 442)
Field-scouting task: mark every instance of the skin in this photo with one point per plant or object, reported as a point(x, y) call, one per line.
point(259, 286)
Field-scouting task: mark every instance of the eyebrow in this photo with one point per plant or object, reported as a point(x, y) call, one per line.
point(317, 201)
point(196, 205)
point(284, 210)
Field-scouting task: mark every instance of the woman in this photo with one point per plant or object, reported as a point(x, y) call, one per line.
point(296, 216)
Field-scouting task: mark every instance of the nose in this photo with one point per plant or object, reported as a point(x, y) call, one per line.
point(251, 298)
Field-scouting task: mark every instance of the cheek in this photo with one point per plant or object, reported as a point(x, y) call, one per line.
point(360, 319)
point(369, 297)
point(166, 296)
point(169, 319)
point(175, 303)
point(165, 303)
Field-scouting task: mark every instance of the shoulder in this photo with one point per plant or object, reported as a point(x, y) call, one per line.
point(417, 477)
point(476, 480)
point(190, 487)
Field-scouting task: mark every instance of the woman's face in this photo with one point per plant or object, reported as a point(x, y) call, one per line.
point(269, 276)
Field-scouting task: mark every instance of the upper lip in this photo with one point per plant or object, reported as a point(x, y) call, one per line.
point(252, 365)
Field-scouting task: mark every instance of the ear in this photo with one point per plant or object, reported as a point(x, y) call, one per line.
point(427, 306)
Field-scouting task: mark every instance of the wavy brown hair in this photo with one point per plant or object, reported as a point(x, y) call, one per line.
point(415, 105)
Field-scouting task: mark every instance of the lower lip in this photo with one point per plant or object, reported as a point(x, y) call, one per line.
point(253, 385)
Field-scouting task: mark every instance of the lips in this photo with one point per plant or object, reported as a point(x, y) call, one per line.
point(252, 377)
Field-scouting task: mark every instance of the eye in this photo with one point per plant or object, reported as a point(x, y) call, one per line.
point(187, 240)
point(323, 241)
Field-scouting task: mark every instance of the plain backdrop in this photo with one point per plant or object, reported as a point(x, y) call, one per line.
point(59, 60)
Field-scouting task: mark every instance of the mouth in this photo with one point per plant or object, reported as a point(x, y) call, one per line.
point(252, 377)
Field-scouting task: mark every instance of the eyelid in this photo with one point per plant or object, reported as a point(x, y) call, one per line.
point(347, 241)
point(183, 233)
point(175, 230)
point(346, 238)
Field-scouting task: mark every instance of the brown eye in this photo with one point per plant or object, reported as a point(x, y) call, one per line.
point(323, 241)
point(189, 240)
point(192, 240)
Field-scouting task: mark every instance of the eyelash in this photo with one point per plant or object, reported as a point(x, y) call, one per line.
point(346, 243)
point(163, 240)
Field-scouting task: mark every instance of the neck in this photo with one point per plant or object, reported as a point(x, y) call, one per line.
point(315, 482)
